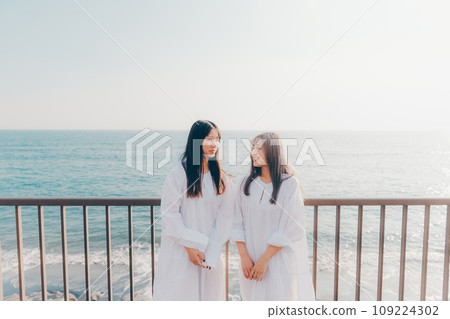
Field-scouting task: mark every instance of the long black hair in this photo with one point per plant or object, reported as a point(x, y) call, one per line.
point(192, 160)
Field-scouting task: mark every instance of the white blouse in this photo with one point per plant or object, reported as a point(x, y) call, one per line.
point(259, 224)
point(203, 223)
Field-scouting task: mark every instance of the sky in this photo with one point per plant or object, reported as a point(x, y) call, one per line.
point(245, 65)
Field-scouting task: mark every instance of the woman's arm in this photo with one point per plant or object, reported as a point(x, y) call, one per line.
point(246, 262)
point(222, 225)
point(172, 221)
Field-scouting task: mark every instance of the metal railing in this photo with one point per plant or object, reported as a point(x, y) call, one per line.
point(382, 203)
point(85, 203)
point(152, 202)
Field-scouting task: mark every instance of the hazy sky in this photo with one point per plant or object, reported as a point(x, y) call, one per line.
point(227, 61)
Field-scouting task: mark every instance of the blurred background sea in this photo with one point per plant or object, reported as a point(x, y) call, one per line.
point(93, 163)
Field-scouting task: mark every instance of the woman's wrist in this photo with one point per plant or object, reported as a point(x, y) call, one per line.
point(244, 255)
point(265, 257)
point(242, 249)
point(269, 253)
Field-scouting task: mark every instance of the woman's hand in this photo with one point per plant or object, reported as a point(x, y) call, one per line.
point(247, 265)
point(196, 256)
point(258, 271)
point(246, 262)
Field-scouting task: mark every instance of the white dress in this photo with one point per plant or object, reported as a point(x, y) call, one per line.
point(203, 223)
point(259, 224)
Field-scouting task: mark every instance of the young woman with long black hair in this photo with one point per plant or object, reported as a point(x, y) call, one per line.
point(269, 227)
point(197, 215)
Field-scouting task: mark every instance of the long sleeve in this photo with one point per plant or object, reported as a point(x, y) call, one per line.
point(291, 225)
point(222, 225)
point(172, 222)
point(238, 231)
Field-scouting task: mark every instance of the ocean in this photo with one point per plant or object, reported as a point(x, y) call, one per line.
point(356, 164)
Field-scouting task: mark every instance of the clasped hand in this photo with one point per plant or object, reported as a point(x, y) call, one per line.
point(196, 257)
point(254, 271)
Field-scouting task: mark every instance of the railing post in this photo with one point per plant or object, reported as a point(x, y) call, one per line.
point(446, 256)
point(401, 289)
point(426, 229)
point(336, 252)
point(315, 235)
point(86, 253)
point(42, 253)
point(358, 259)
point(64, 253)
point(130, 250)
point(108, 252)
point(226, 271)
point(152, 242)
point(20, 252)
point(381, 253)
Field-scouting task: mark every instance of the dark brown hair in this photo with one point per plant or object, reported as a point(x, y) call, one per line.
point(277, 161)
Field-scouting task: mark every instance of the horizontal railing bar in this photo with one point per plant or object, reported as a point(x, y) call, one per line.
point(375, 201)
point(142, 201)
point(79, 201)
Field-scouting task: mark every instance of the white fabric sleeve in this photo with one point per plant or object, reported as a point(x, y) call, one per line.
point(222, 225)
point(238, 230)
point(172, 222)
point(291, 225)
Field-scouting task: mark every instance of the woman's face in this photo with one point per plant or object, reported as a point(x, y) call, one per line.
point(211, 144)
point(258, 154)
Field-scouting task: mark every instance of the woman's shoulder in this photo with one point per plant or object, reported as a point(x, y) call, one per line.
point(177, 172)
point(227, 177)
point(289, 181)
point(291, 186)
point(240, 186)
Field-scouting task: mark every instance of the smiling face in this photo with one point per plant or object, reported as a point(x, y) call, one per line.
point(258, 153)
point(211, 144)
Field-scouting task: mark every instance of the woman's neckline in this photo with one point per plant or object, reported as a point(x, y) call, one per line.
point(259, 177)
